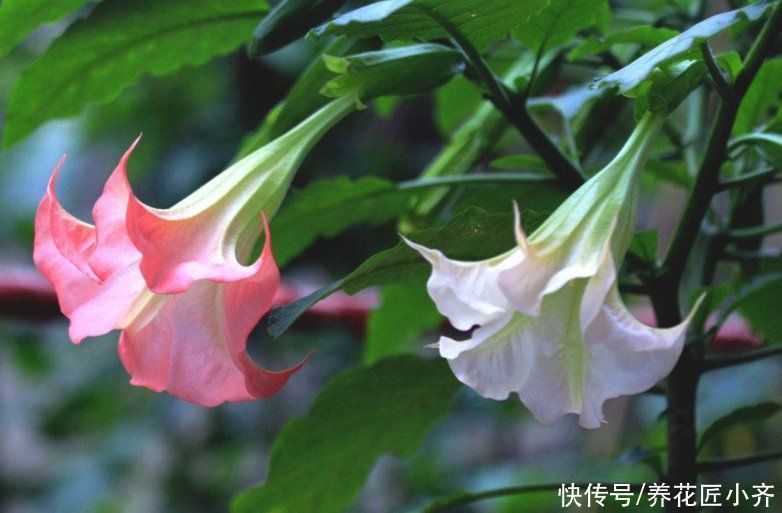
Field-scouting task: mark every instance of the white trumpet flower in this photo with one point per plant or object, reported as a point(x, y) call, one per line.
point(551, 325)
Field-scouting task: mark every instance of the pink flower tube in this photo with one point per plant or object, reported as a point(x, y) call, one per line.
point(178, 281)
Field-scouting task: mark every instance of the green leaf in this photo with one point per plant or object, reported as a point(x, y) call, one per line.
point(120, 42)
point(741, 416)
point(637, 71)
point(288, 21)
point(770, 145)
point(320, 461)
point(668, 171)
point(762, 98)
point(472, 234)
point(560, 21)
point(327, 207)
point(19, 18)
point(523, 162)
point(405, 311)
point(408, 70)
point(644, 35)
point(760, 303)
point(644, 246)
point(482, 21)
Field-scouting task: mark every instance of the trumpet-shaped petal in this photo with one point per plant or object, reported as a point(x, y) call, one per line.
point(201, 356)
point(206, 235)
point(551, 325)
point(175, 281)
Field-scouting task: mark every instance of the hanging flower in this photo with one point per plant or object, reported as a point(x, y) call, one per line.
point(177, 281)
point(551, 325)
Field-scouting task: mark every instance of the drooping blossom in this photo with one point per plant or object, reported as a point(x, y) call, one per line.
point(551, 325)
point(179, 282)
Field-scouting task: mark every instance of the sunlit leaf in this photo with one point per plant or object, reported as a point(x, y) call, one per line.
point(482, 21)
point(637, 71)
point(119, 43)
point(644, 35)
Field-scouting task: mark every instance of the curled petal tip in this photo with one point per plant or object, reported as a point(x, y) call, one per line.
point(521, 238)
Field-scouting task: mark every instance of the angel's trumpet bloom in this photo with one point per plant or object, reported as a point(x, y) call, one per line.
point(176, 281)
point(551, 324)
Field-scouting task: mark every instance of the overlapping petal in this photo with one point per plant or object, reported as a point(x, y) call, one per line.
point(201, 353)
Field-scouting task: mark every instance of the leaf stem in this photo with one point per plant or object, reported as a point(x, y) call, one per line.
point(726, 464)
point(439, 181)
point(739, 359)
point(741, 180)
point(468, 498)
point(754, 231)
point(683, 381)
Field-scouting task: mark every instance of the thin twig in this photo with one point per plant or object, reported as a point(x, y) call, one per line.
point(761, 174)
point(441, 181)
point(741, 358)
point(726, 464)
point(515, 111)
point(734, 254)
point(754, 231)
point(468, 498)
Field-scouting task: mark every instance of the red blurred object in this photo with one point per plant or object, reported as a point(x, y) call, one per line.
point(26, 295)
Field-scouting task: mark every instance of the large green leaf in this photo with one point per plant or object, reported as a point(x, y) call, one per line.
point(762, 98)
point(482, 21)
point(327, 207)
point(120, 42)
point(473, 234)
point(405, 311)
point(637, 71)
point(738, 417)
point(320, 461)
point(18, 18)
point(560, 21)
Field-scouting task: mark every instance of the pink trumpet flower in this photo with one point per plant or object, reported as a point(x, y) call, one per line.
point(173, 280)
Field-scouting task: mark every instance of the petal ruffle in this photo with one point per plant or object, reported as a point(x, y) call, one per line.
point(467, 292)
point(496, 360)
point(110, 307)
point(626, 356)
point(113, 249)
point(177, 252)
point(193, 344)
point(61, 245)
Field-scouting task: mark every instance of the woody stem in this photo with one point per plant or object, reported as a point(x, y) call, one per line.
point(683, 381)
